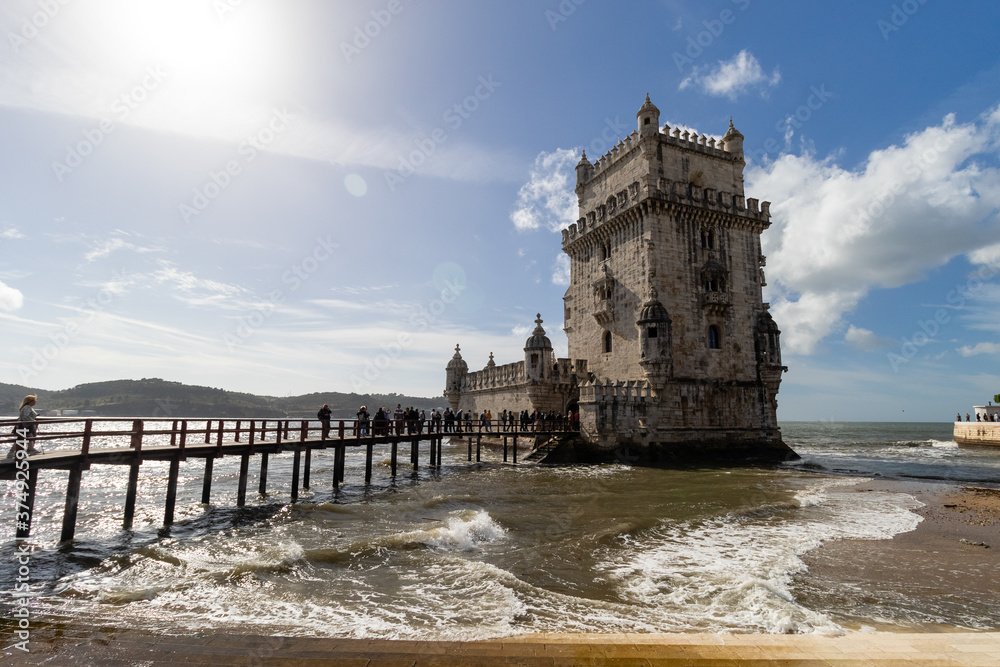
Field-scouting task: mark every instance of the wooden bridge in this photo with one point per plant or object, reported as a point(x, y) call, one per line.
point(98, 444)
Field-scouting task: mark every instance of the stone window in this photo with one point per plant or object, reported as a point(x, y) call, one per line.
point(715, 284)
point(714, 339)
point(607, 342)
point(708, 239)
point(534, 360)
point(651, 332)
point(605, 251)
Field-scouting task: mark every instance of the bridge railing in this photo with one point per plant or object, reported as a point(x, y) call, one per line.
point(58, 433)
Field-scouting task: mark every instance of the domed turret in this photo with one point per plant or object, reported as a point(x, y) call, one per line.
point(652, 311)
point(457, 363)
point(733, 140)
point(767, 339)
point(538, 357)
point(455, 373)
point(584, 170)
point(538, 340)
point(655, 340)
point(648, 118)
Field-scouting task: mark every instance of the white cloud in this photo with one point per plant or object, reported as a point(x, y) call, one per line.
point(865, 339)
point(547, 199)
point(838, 233)
point(733, 77)
point(979, 348)
point(11, 233)
point(560, 270)
point(10, 298)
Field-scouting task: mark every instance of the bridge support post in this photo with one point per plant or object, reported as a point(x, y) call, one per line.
point(470, 449)
point(505, 449)
point(479, 448)
point(133, 484)
point(305, 469)
point(433, 452)
point(168, 509)
point(392, 459)
point(24, 527)
point(343, 462)
point(72, 503)
point(206, 484)
point(336, 464)
point(262, 489)
point(415, 453)
point(241, 490)
point(296, 462)
point(515, 449)
point(368, 462)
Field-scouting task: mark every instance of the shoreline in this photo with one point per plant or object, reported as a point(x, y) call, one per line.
point(948, 560)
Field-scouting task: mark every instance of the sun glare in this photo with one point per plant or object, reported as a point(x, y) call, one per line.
point(198, 47)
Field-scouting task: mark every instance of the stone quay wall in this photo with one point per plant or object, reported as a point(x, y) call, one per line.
point(977, 433)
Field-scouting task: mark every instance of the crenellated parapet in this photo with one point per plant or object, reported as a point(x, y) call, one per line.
point(716, 200)
point(495, 377)
point(622, 205)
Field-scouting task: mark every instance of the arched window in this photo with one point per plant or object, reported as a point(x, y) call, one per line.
point(605, 251)
point(607, 341)
point(714, 340)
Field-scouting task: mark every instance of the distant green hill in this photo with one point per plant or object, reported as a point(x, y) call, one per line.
point(153, 397)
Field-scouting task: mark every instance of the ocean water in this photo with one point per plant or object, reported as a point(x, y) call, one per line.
point(487, 550)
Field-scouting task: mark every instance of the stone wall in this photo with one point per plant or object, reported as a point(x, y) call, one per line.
point(977, 433)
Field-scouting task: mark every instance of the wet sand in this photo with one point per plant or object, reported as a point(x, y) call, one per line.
point(948, 562)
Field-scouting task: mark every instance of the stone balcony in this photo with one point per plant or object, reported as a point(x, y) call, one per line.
point(716, 302)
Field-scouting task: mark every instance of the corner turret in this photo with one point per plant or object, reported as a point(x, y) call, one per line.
point(648, 118)
point(454, 374)
point(733, 140)
point(538, 356)
point(584, 170)
point(655, 356)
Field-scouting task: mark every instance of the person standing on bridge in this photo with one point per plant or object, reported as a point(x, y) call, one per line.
point(324, 415)
point(26, 428)
point(363, 420)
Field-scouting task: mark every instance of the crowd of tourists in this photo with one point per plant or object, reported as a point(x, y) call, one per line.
point(995, 417)
point(411, 421)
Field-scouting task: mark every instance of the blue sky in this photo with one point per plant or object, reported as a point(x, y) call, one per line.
point(297, 196)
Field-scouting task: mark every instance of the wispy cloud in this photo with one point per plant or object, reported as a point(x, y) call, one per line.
point(547, 198)
point(732, 78)
point(865, 339)
point(979, 348)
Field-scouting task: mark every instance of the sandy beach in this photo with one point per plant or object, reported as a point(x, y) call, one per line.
point(950, 557)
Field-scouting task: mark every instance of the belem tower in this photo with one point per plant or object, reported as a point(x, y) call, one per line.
point(672, 351)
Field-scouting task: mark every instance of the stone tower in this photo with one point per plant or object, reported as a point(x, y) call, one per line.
point(665, 298)
point(672, 351)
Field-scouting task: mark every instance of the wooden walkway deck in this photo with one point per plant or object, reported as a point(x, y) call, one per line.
point(77, 645)
point(211, 439)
